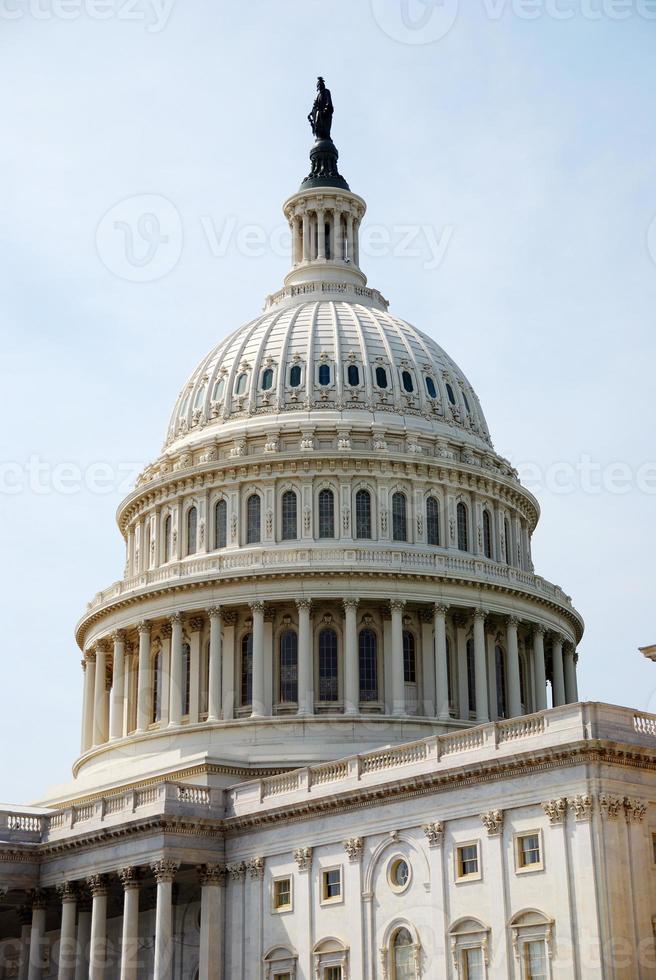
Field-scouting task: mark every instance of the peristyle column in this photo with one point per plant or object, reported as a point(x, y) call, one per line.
point(480, 667)
point(144, 680)
point(514, 686)
point(351, 673)
point(97, 885)
point(441, 662)
point(257, 705)
point(164, 872)
point(321, 234)
point(212, 883)
point(305, 662)
point(215, 668)
point(130, 936)
point(89, 667)
point(100, 705)
point(558, 670)
point(539, 668)
point(118, 686)
point(67, 942)
point(571, 691)
point(398, 675)
point(175, 687)
point(37, 935)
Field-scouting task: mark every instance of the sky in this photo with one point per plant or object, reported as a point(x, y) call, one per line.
point(506, 151)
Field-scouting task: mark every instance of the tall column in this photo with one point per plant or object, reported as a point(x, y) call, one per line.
point(398, 675)
point(144, 683)
point(480, 667)
point(98, 946)
point(89, 667)
point(514, 686)
point(118, 686)
point(195, 627)
point(25, 918)
point(257, 705)
point(427, 663)
point(321, 234)
point(215, 671)
point(305, 659)
point(351, 672)
point(441, 663)
point(100, 695)
point(538, 667)
point(37, 935)
point(212, 883)
point(338, 249)
point(130, 936)
point(557, 670)
point(306, 237)
point(229, 621)
point(349, 237)
point(164, 872)
point(571, 692)
point(175, 685)
point(83, 936)
point(67, 942)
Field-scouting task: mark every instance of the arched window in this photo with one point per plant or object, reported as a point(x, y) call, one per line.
point(409, 658)
point(368, 665)
point(219, 388)
point(399, 517)
point(381, 377)
point(464, 398)
point(487, 534)
point(471, 677)
point(253, 522)
point(242, 382)
point(200, 398)
point(267, 379)
point(449, 391)
point(403, 956)
point(328, 668)
point(408, 383)
point(168, 538)
point(326, 514)
point(192, 530)
point(432, 521)
point(430, 387)
point(363, 514)
point(463, 533)
point(353, 375)
point(289, 520)
point(295, 376)
point(289, 667)
point(246, 669)
point(157, 687)
point(500, 674)
point(186, 678)
point(508, 540)
point(221, 524)
point(324, 374)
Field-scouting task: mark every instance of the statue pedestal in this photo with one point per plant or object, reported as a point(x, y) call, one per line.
point(324, 172)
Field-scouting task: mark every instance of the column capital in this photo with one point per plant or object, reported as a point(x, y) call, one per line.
point(90, 655)
point(166, 631)
point(557, 637)
point(351, 603)
point(164, 871)
point(538, 628)
point(397, 605)
point(214, 612)
point(237, 872)
point(569, 649)
point(67, 891)
point(256, 868)
point(196, 624)
point(256, 606)
point(144, 627)
point(481, 614)
point(118, 636)
point(83, 664)
point(37, 899)
point(303, 858)
point(304, 604)
point(512, 622)
point(104, 645)
point(129, 877)
point(175, 619)
point(228, 617)
point(440, 609)
point(212, 874)
point(97, 885)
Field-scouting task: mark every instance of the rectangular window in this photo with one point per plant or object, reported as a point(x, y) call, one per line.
point(282, 976)
point(535, 958)
point(529, 852)
point(467, 861)
point(282, 894)
point(473, 963)
point(332, 973)
point(331, 885)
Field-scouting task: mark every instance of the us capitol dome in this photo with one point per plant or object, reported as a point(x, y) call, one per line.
point(328, 555)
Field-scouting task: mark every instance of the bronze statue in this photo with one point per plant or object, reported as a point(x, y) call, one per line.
point(321, 116)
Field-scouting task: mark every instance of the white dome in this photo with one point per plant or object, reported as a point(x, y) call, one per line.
point(329, 356)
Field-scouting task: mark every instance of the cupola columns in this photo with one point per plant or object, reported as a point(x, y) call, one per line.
point(325, 227)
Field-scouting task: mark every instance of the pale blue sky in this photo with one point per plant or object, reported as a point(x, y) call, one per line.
point(530, 142)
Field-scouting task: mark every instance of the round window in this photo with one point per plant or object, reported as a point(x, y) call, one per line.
point(399, 874)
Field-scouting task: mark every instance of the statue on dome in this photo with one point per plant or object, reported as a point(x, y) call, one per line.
point(321, 116)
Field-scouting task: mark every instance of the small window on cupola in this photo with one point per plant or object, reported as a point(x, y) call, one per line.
point(353, 375)
point(267, 379)
point(381, 377)
point(449, 391)
point(219, 387)
point(295, 376)
point(242, 381)
point(324, 374)
point(430, 387)
point(464, 397)
point(199, 399)
point(408, 383)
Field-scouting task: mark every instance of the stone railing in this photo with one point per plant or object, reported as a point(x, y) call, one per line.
point(569, 724)
point(437, 561)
